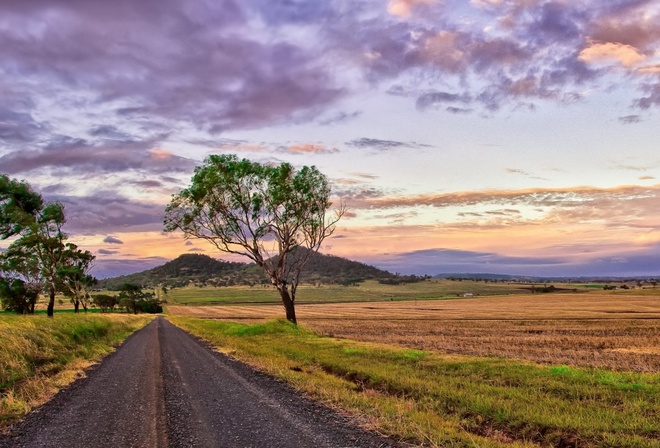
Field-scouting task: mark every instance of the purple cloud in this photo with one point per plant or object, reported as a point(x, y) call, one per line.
point(112, 240)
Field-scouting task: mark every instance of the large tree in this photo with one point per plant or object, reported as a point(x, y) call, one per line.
point(38, 236)
point(275, 215)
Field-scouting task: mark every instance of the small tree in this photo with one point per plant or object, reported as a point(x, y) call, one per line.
point(23, 279)
point(105, 302)
point(274, 215)
point(134, 299)
point(75, 276)
point(17, 296)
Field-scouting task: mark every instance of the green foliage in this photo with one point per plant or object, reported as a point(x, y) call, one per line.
point(135, 300)
point(260, 211)
point(39, 256)
point(187, 268)
point(18, 203)
point(202, 270)
point(105, 302)
point(17, 296)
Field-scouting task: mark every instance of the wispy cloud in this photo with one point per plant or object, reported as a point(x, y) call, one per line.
point(112, 240)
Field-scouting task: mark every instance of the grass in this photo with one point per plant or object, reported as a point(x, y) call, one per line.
point(451, 400)
point(40, 355)
point(588, 330)
point(363, 292)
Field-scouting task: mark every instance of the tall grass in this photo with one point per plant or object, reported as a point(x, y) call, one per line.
point(455, 401)
point(40, 355)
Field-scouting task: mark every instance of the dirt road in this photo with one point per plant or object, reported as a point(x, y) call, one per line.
point(164, 388)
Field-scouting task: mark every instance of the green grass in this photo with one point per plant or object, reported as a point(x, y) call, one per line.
point(366, 291)
point(455, 401)
point(39, 355)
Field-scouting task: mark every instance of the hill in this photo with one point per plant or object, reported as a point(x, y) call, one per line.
point(186, 268)
point(204, 270)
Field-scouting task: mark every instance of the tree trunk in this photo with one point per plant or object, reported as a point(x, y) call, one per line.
point(51, 301)
point(289, 306)
point(76, 306)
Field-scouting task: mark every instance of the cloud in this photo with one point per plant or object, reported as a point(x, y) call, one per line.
point(646, 178)
point(107, 252)
point(403, 8)
point(442, 260)
point(83, 156)
point(309, 148)
point(431, 99)
point(625, 55)
point(109, 267)
point(630, 119)
point(340, 117)
point(112, 240)
point(532, 196)
point(374, 143)
point(107, 211)
point(250, 80)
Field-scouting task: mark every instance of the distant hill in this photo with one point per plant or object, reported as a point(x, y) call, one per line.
point(186, 268)
point(204, 270)
point(532, 279)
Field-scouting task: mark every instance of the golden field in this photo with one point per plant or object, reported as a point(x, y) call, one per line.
point(613, 331)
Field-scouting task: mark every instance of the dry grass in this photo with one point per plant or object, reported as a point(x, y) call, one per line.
point(40, 355)
point(594, 330)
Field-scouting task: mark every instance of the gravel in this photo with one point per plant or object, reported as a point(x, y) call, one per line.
point(165, 388)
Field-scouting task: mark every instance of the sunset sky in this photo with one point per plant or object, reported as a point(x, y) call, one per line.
point(499, 136)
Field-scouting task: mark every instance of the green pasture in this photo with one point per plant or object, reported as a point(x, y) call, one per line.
point(362, 292)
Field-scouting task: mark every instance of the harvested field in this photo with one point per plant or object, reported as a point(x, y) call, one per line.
point(614, 332)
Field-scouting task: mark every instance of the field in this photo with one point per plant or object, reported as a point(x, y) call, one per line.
point(433, 399)
point(502, 368)
point(598, 329)
point(362, 292)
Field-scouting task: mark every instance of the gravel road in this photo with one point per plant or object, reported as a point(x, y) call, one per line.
point(165, 388)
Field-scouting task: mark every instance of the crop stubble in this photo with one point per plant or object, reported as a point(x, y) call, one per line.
point(607, 331)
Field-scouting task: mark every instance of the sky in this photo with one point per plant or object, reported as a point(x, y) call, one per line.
point(501, 136)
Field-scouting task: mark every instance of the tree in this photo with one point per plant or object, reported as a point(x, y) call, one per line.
point(18, 205)
point(37, 227)
point(23, 280)
point(274, 215)
point(105, 302)
point(44, 239)
point(16, 296)
point(75, 277)
point(134, 299)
